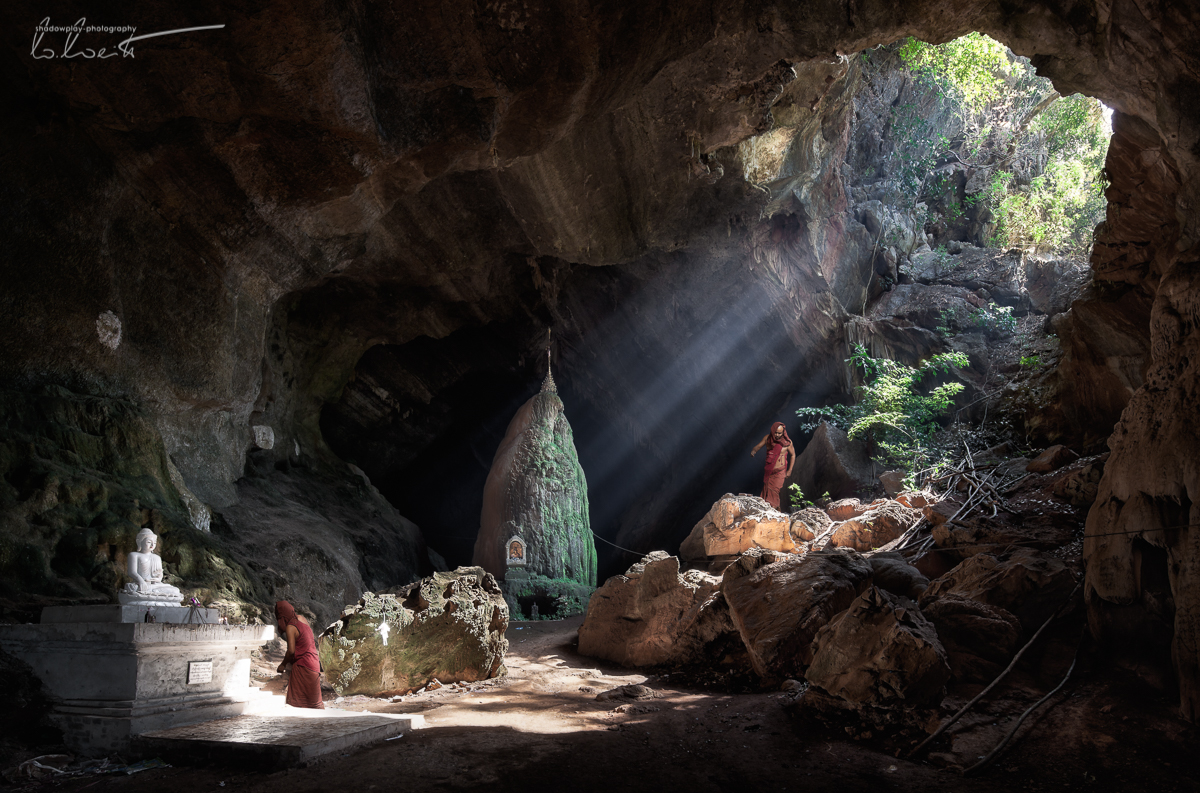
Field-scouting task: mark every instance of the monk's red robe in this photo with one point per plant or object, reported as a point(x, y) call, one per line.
point(775, 472)
point(304, 681)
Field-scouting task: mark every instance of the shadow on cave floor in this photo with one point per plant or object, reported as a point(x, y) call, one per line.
point(542, 729)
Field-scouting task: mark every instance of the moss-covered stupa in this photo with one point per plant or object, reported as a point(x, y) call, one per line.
point(534, 531)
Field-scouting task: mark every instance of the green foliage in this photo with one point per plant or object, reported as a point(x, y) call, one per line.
point(968, 66)
point(894, 412)
point(797, 497)
point(1031, 361)
point(1001, 101)
point(799, 501)
point(992, 319)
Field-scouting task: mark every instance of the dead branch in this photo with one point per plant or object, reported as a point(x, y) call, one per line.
point(1012, 664)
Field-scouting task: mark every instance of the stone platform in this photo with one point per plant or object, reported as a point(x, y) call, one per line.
point(112, 679)
point(117, 613)
point(284, 738)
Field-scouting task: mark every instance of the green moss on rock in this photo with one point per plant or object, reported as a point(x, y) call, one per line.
point(449, 626)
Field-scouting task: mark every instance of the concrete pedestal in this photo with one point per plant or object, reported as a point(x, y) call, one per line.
point(113, 679)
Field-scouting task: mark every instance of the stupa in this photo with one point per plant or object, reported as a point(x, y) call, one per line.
point(535, 534)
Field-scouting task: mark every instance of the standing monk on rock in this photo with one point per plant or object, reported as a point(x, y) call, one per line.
point(781, 456)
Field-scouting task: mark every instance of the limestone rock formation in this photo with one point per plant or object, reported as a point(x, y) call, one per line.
point(1028, 583)
point(1051, 460)
point(81, 476)
point(979, 638)
point(810, 523)
point(846, 508)
point(831, 463)
point(536, 491)
point(877, 526)
point(893, 573)
point(778, 602)
point(449, 626)
point(880, 652)
point(653, 614)
point(737, 523)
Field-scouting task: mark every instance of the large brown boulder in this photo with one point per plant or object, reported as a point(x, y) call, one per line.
point(880, 652)
point(897, 575)
point(1028, 583)
point(653, 614)
point(979, 639)
point(778, 602)
point(875, 527)
point(1051, 460)
point(738, 523)
point(832, 463)
point(449, 626)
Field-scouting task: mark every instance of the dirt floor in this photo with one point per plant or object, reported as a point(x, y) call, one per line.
point(541, 728)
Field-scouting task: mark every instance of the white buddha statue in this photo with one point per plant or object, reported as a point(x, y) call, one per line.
point(146, 570)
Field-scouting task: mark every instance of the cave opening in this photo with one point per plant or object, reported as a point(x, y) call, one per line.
point(669, 364)
point(238, 271)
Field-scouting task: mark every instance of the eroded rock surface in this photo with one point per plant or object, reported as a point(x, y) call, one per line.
point(876, 527)
point(778, 602)
point(1028, 583)
point(449, 626)
point(738, 523)
point(979, 638)
point(880, 652)
point(653, 615)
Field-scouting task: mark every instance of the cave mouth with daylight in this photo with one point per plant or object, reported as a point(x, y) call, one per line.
point(423, 363)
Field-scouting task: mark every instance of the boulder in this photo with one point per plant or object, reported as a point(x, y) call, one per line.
point(876, 527)
point(942, 511)
point(979, 638)
point(892, 572)
point(810, 523)
point(449, 626)
point(915, 499)
point(737, 523)
point(778, 602)
point(846, 508)
point(977, 533)
point(653, 614)
point(1051, 460)
point(1030, 584)
point(893, 482)
point(832, 463)
point(880, 652)
point(1079, 487)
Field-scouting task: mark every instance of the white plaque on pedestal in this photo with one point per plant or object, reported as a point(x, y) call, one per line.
point(199, 672)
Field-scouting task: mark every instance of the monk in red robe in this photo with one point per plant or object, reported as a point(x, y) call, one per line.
point(304, 682)
point(781, 456)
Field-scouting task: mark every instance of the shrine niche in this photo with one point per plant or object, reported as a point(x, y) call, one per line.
point(515, 552)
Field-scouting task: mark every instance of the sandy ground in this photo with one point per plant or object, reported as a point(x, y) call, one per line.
point(541, 728)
